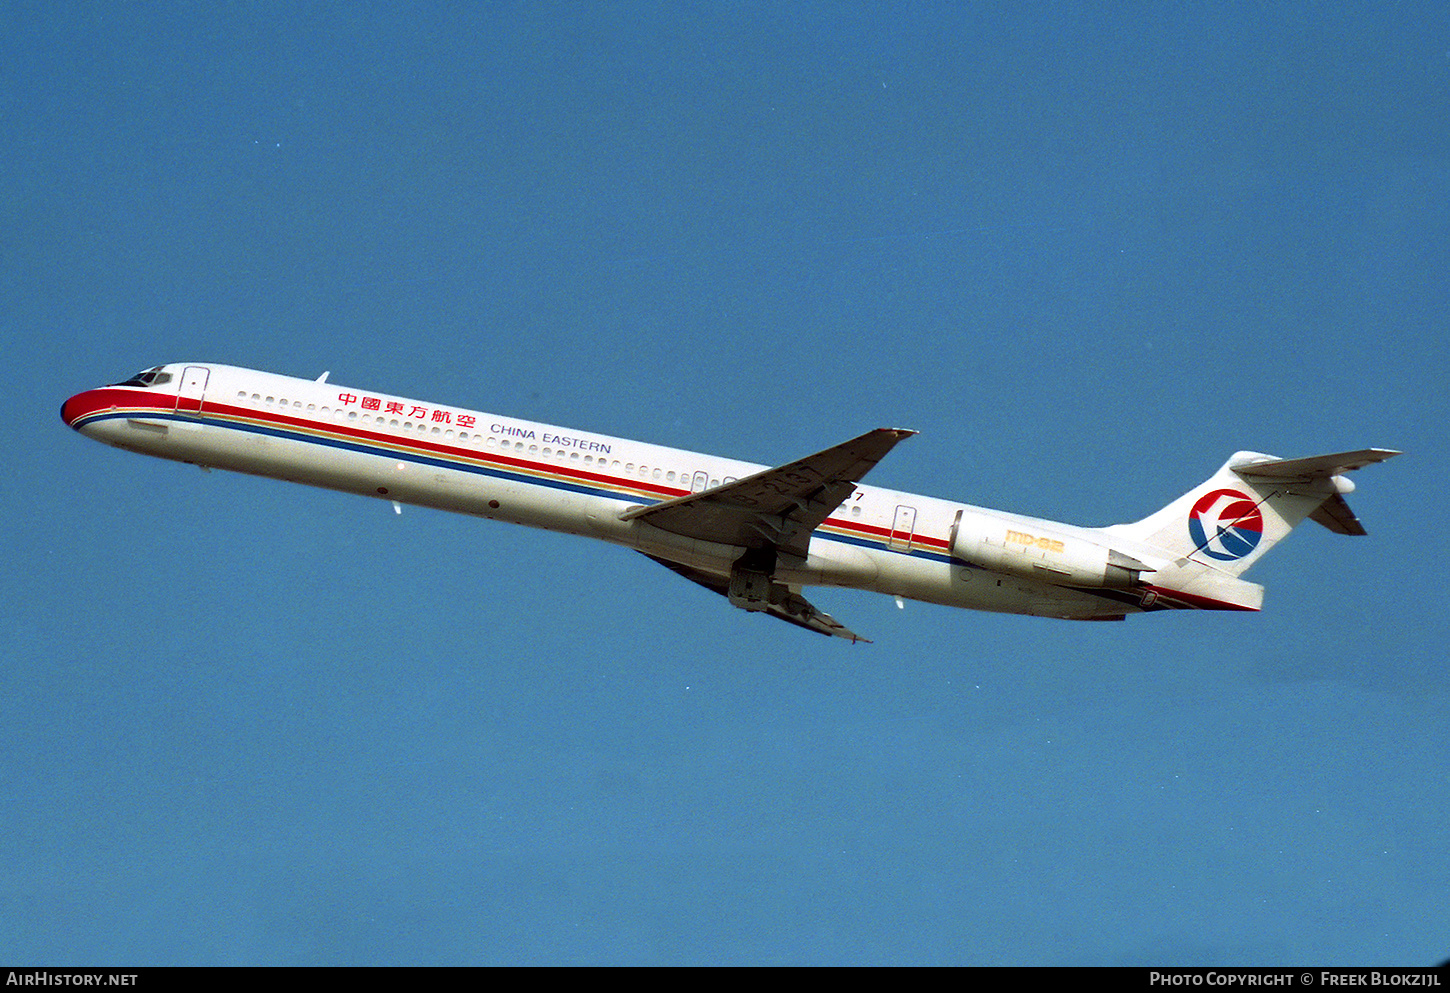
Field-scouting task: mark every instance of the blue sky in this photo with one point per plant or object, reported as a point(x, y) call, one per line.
point(1088, 251)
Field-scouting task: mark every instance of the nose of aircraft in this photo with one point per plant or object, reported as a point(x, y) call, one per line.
point(66, 410)
point(77, 407)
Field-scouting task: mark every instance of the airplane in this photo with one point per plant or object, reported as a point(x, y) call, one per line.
point(754, 534)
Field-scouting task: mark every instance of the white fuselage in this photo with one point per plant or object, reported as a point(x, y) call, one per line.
point(488, 465)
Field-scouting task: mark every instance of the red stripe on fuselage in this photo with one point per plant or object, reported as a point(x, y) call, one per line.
point(91, 402)
point(83, 405)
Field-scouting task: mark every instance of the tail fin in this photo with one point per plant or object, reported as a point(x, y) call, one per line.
point(1229, 521)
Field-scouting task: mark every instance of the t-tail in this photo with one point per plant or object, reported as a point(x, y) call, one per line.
point(1223, 526)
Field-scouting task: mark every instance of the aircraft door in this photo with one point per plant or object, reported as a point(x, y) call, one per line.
point(700, 483)
point(193, 388)
point(902, 529)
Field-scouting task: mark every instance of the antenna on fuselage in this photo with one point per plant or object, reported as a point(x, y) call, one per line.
point(323, 378)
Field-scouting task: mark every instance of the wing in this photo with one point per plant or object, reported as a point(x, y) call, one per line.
point(777, 508)
point(793, 608)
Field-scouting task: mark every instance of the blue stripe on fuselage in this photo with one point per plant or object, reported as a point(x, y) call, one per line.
point(444, 462)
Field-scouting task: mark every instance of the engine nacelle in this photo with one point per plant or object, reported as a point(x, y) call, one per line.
point(1018, 549)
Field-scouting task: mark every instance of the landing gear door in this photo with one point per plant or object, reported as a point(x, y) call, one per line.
point(193, 388)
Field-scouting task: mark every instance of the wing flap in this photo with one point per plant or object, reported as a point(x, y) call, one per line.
point(791, 608)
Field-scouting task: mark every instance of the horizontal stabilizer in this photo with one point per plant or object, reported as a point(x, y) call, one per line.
point(1316, 466)
point(1230, 520)
point(1334, 512)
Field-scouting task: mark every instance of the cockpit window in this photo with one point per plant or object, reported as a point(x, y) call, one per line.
point(151, 377)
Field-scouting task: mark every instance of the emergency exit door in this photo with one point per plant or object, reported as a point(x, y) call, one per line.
point(193, 389)
point(902, 529)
